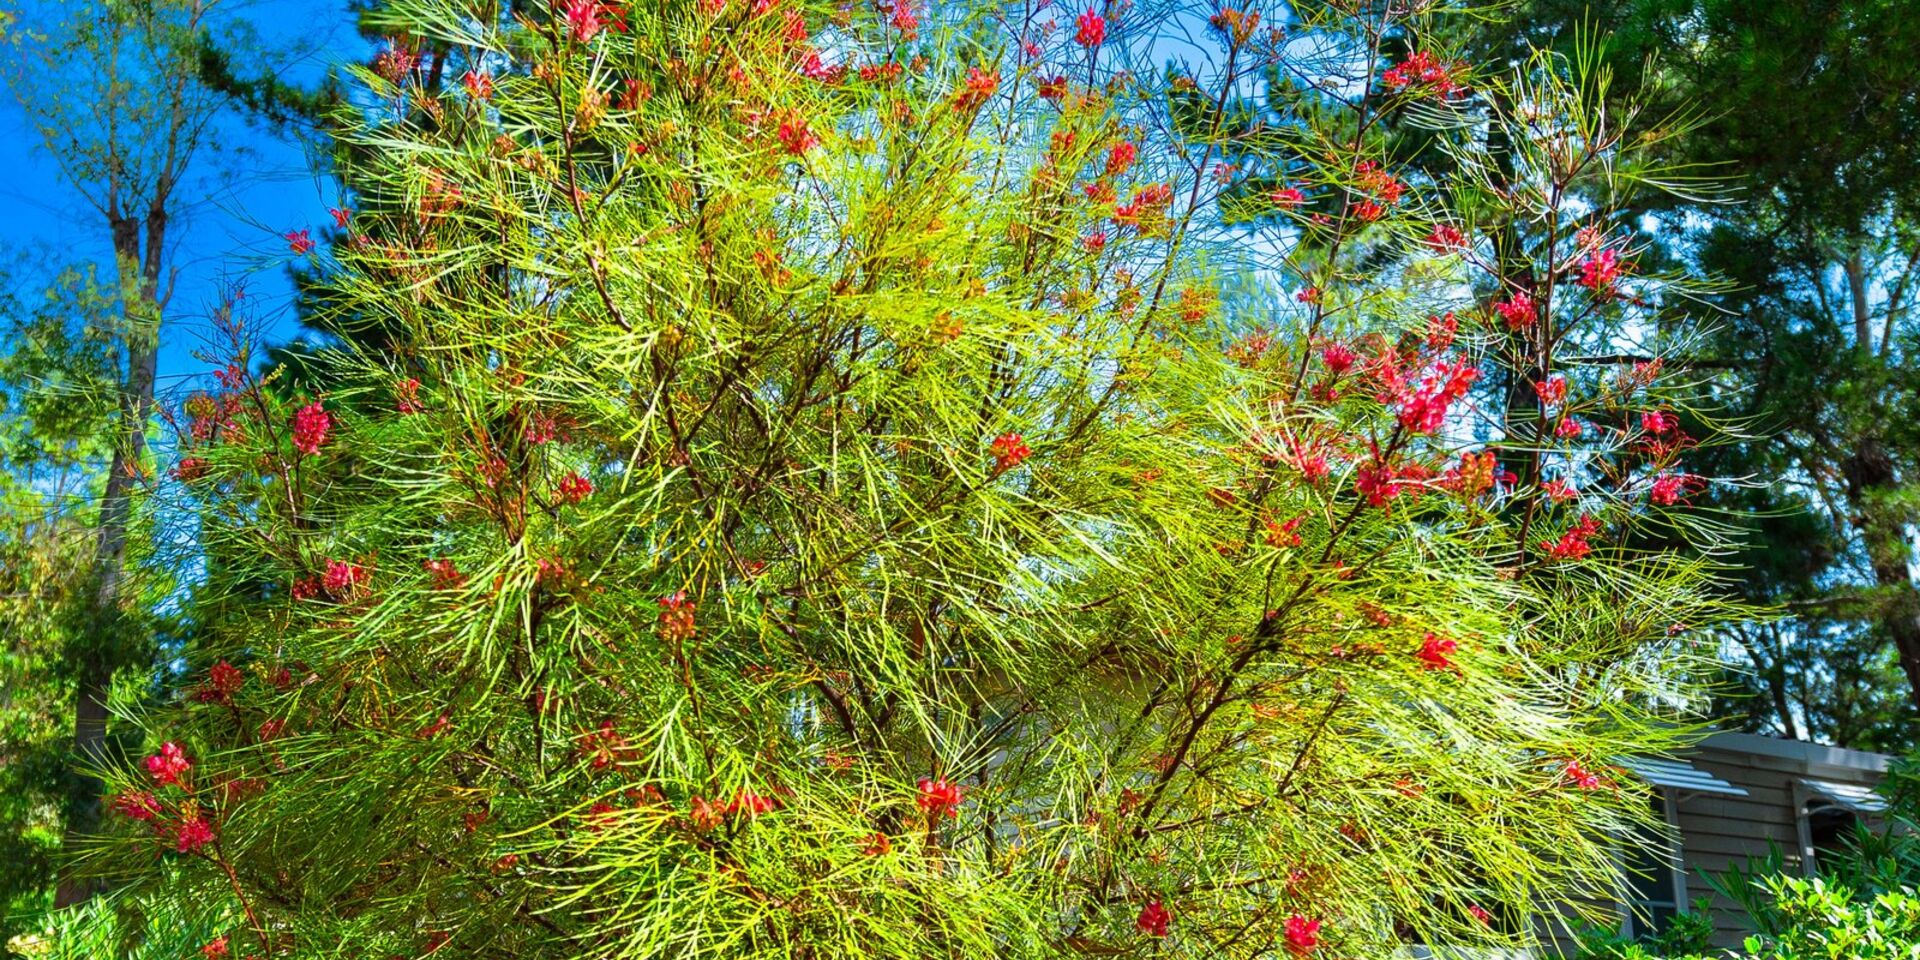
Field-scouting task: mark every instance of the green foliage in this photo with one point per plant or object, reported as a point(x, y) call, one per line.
point(801, 514)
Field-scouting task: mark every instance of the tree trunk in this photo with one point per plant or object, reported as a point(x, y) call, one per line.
point(142, 319)
point(1871, 479)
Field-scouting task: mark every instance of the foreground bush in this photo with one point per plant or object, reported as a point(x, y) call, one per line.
point(818, 481)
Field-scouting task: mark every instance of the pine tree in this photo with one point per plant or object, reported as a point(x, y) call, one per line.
point(849, 482)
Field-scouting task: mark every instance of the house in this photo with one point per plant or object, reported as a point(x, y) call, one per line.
point(1737, 796)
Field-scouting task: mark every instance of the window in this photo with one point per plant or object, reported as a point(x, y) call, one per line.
point(1655, 883)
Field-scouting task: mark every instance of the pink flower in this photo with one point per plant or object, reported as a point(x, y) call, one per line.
point(1337, 357)
point(166, 766)
point(342, 579)
point(1095, 242)
point(341, 216)
point(189, 469)
point(1658, 421)
point(1559, 491)
point(137, 805)
point(939, 798)
point(406, 396)
point(1552, 391)
point(1600, 270)
point(1480, 913)
point(310, 426)
point(1287, 198)
point(1423, 408)
point(1093, 30)
point(1120, 157)
point(1153, 919)
point(299, 242)
point(1309, 295)
point(905, 20)
point(1567, 429)
point(980, 87)
point(585, 19)
point(1422, 68)
point(446, 576)
point(191, 834)
point(1435, 652)
point(1302, 935)
point(1009, 451)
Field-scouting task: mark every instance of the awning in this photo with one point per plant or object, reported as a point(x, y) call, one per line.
point(1678, 775)
point(1850, 796)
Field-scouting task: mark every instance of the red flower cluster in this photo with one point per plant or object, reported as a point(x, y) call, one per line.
point(215, 948)
point(137, 805)
point(796, 138)
point(223, 681)
point(1583, 778)
point(192, 833)
point(1153, 919)
point(1092, 29)
point(1146, 207)
point(573, 488)
point(1436, 651)
point(1009, 451)
point(1302, 935)
point(343, 579)
point(1573, 544)
point(1600, 270)
point(406, 396)
point(603, 746)
point(166, 766)
point(939, 798)
point(980, 87)
point(1338, 357)
point(1518, 311)
point(479, 84)
point(1423, 407)
point(1658, 421)
point(1287, 198)
point(676, 616)
point(585, 19)
point(1670, 488)
point(1552, 391)
point(1446, 237)
point(905, 20)
point(311, 424)
point(1120, 157)
point(299, 242)
point(1422, 68)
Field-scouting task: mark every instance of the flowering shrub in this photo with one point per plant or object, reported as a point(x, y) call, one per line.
point(771, 527)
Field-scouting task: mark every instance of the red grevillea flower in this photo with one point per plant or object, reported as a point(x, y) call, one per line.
point(1480, 913)
point(1120, 157)
point(1552, 391)
point(905, 20)
point(573, 488)
point(1559, 491)
point(1446, 237)
point(1009, 451)
point(192, 833)
point(445, 575)
point(1283, 534)
point(939, 798)
point(1573, 544)
point(1153, 919)
point(341, 216)
point(166, 766)
point(1302, 935)
point(1093, 29)
point(1567, 429)
point(1600, 270)
point(1441, 329)
point(299, 242)
point(216, 949)
point(752, 804)
point(311, 424)
point(1519, 311)
point(406, 396)
point(1423, 408)
point(137, 805)
point(1338, 358)
point(876, 845)
point(189, 469)
point(796, 137)
point(479, 84)
point(676, 616)
point(1670, 488)
point(1421, 68)
point(1435, 652)
point(980, 87)
point(1658, 421)
point(342, 579)
point(1583, 778)
point(1094, 242)
point(585, 19)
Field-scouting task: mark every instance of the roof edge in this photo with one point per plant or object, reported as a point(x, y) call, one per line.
point(1797, 750)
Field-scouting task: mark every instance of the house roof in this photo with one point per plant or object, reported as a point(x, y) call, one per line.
point(1850, 796)
point(1679, 775)
point(1798, 750)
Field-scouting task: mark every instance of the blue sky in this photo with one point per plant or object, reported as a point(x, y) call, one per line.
point(247, 191)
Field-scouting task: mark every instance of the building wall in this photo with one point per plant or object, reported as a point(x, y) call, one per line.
point(1718, 832)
